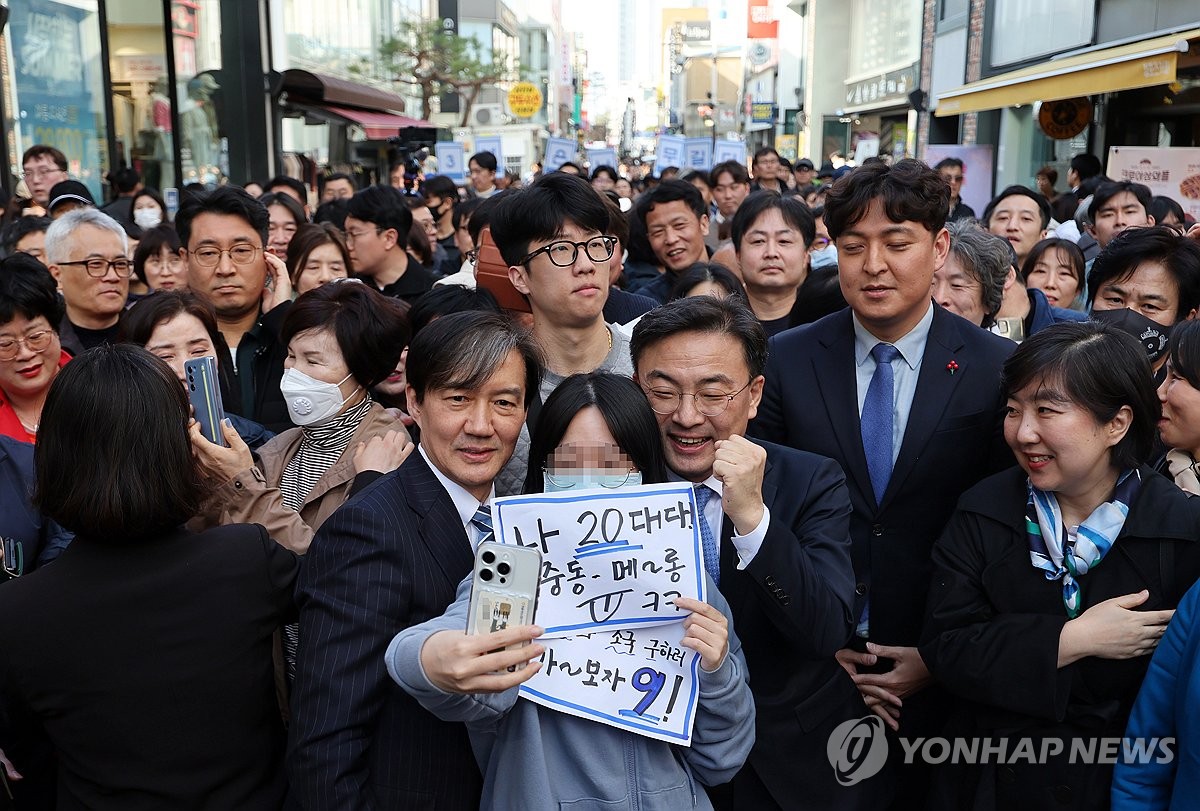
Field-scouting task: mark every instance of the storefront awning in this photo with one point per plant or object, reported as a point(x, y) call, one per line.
point(306, 87)
point(378, 126)
point(1139, 64)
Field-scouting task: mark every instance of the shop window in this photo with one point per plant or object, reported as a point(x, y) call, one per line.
point(884, 34)
point(141, 100)
point(952, 13)
point(1022, 30)
point(196, 40)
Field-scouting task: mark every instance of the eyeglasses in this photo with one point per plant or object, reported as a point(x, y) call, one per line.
point(564, 252)
point(353, 235)
point(211, 257)
point(97, 268)
point(34, 342)
point(709, 402)
point(38, 174)
point(473, 255)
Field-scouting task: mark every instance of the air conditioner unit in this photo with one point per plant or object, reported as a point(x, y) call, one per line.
point(487, 115)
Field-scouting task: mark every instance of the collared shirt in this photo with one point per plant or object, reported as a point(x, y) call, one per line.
point(906, 372)
point(464, 503)
point(747, 545)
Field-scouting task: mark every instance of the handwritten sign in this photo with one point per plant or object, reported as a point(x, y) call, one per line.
point(493, 144)
point(729, 151)
point(602, 157)
point(609, 558)
point(670, 152)
point(558, 152)
point(638, 679)
point(698, 153)
point(451, 161)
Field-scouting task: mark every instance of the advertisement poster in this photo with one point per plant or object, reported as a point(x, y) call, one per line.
point(977, 187)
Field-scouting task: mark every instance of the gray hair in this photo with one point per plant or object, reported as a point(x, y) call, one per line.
point(985, 256)
point(58, 235)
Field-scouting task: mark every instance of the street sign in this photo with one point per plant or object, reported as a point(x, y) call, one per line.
point(524, 100)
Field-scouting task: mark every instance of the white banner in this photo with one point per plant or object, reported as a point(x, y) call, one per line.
point(670, 153)
point(1169, 171)
point(602, 157)
point(698, 154)
point(729, 151)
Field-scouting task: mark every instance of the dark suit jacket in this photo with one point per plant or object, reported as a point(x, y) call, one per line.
point(149, 666)
point(993, 633)
point(389, 558)
point(953, 439)
point(791, 608)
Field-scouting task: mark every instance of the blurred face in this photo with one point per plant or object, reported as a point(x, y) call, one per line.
point(481, 179)
point(959, 291)
point(283, 228)
point(145, 202)
point(1045, 187)
point(423, 219)
point(31, 371)
point(1018, 219)
point(766, 167)
point(370, 247)
point(1150, 290)
point(1055, 275)
point(1121, 212)
point(1180, 423)
point(676, 235)
point(234, 290)
point(165, 270)
point(954, 176)
point(340, 189)
point(439, 207)
point(397, 177)
point(1060, 445)
point(772, 254)
point(602, 182)
point(804, 176)
point(324, 263)
point(34, 244)
point(729, 194)
point(564, 296)
point(886, 271)
point(94, 302)
point(623, 188)
point(588, 446)
point(180, 339)
point(470, 434)
point(691, 362)
point(41, 173)
point(462, 236)
point(704, 190)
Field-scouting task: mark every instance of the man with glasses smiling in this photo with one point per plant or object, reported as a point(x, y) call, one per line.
point(86, 251)
point(223, 235)
point(774, 523)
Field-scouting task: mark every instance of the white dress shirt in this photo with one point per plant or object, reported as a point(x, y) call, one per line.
point(464, 503)
point(747, 545)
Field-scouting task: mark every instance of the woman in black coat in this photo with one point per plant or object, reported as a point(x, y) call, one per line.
point(144, 650)
point(1053, 582)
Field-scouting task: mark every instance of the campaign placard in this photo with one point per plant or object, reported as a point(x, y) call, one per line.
point(698, 154)
point(670, 152)
point(729, 151)
point(558, 152)
point(450, 160)
point(602, 157)
point(493, 144)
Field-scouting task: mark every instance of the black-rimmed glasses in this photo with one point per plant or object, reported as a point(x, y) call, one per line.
point(564, 252)
point(97, 268)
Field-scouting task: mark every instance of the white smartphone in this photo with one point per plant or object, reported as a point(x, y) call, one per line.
point(503, 587)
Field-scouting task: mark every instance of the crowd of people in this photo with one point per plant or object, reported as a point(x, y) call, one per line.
point(943, 466)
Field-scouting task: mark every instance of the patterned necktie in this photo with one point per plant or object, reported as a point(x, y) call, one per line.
point(877, 416)
point(482, 521)
point(712, 555)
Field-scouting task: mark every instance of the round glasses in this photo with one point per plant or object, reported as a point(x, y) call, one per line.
point(211, 257)
point(97, 268)
point(564, 252)
point(709, 402)
point(34, 342)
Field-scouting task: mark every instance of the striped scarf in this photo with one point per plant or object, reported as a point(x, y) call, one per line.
point(320, 448)
point(1068, 556)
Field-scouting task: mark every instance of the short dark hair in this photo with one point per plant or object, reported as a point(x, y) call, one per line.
point(463, 350)
point(1107, 191)
point(383, 206)
point(481, 217)
point(484, 160)
point(151, 244)
point(624, 408)
point(1183, 352)
point(1067, 246)
point(1086, 166)
point(465, 209)
point(139, 321)
point(45, 151)
point(28, 289)
point(309, 237)
point(447, 299)
point(909, 191)
point(764, 151)
point(127, 472)
point(1100, 369)
point(735, 169)
point(1018, 191)
point(21, 227)
point(705, 314)
point(696, 174)
point(572, 164)
point(341, 176)
point(539, 212)
point(332, 212)
point(273, 198)
point(701, 272)
point(668, 191)
point(440, 186)
point(1130, 248)
point(605, 169)
point(1162, 207)
point(1048, 172)
point(290, 182)
point(226, 200)
point(125, 179)
point(948, 163)
point(793, 210)
point(371, 329)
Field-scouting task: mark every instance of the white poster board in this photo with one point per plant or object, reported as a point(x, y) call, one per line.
point(1169, 172)
point(451, 161)
point(558, 152)
point(602, 157)
point(698, 154)
point(729, 151)
point(670, 152)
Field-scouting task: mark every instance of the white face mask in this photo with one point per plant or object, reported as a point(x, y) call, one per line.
point(147, 218)
point(589, 479)
point(824, 257)
point(310, 401)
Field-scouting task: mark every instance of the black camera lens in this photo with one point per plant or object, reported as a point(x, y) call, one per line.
point(485, 575)
point(503, 568)
point(488, 557)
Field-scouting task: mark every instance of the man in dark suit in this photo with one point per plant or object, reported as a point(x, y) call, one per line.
point(392, 557)
point(778, 520)
point(906, 396)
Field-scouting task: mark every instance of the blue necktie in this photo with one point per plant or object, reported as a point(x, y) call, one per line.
point(712, 553)
point(877, 417)
point(482, 521)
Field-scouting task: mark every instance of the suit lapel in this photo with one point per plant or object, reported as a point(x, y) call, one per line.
point(440, 527)
point(835, 372)
point(935, 386)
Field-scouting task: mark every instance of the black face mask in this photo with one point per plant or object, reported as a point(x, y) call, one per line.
point(1152, 335)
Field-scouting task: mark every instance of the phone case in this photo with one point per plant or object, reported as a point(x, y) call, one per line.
point(501, 598)
point(204, 393)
